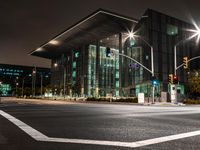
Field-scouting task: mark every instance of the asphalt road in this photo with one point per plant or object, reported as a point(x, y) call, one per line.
point(99, 122)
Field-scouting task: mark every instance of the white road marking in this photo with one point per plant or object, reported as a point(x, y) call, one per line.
point(38, 136)
point(26, 128)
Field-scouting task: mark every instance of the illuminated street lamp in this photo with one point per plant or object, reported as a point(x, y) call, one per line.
point(196, 34)
point(64, 77)
point(132, 35)
point(33, 80)
point(55, 64)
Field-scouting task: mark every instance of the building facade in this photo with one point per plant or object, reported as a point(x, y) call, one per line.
point(14, 77)
point(92, 58)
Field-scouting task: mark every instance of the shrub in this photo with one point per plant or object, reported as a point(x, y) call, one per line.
point(104, 99)
point(191, 101)
point(129, 100)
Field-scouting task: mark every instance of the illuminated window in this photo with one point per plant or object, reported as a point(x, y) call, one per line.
point(117, 74)
point(132, 42)
point(74, 74)
point(117, 83)
point(77, 54)
point(74, 64)
point(172, 30)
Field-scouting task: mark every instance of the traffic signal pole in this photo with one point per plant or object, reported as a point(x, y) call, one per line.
point(175, 60)
point(175, 66)
point(151, 71)
point(189, 60)
point(196, 33)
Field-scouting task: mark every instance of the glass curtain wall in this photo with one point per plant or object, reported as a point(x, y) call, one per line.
point(103, 70)
point(109, 66)
point(91, 74)
point(132, 73)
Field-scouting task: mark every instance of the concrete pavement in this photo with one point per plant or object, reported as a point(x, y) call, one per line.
point(99, 122)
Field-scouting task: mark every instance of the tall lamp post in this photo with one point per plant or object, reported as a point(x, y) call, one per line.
point(16, 86)
point(33, 80)
point(23, 82)
point(196, 33)
point(64, 78)
point(132, 35)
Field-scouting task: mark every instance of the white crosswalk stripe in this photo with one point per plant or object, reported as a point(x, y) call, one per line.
point(38, 136)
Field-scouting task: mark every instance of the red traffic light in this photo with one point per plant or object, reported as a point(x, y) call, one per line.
point(175, 79)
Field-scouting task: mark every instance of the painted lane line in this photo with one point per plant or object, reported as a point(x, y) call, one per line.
point(38, 136)
point(128, 144)
point(26, 128)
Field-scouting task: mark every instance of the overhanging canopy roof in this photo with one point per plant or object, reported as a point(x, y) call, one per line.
point(98, 25)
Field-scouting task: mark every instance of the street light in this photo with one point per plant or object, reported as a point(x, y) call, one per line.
point(23, 86)
point(55, 64)
point(41, 82)
point(64, 77)
point(33, 80)
point(132, 35)
point(196, 34)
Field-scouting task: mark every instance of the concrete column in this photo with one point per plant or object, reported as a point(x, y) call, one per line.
point(120, 64)
point(97, 68)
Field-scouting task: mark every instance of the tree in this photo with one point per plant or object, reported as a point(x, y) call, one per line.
point(194, 82)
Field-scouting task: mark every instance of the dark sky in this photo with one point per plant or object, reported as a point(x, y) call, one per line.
point(26, 24)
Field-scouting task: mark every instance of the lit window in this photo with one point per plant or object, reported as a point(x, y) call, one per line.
point(172, 30)
point(74, 74)
point(132, 42)
point(117, 74)
point(77, 54)
point(74, 64)
point(117, 83)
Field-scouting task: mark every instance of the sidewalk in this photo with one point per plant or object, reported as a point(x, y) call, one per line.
point(7, 100)
point(58, 101)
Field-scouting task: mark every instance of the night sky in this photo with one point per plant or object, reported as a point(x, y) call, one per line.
point(27, 24)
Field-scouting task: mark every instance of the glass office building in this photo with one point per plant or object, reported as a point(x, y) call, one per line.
point(13, 77)
point(92, 58)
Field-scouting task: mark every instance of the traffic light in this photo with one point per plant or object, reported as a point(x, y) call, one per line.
point(170, 78)
point(154, 81)
point(185, 62)
point(175, 79)
point(107, 51)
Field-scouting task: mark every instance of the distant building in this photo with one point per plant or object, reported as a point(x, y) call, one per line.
point(14, 77)
point(83, 65)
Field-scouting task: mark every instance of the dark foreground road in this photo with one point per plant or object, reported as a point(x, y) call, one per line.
point(68, 126)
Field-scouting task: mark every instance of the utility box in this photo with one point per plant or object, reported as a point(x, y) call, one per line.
point(141, 98)
point(173, 93)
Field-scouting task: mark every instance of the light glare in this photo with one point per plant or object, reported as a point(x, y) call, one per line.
point(196, 32)
point(131, 34)
point(55, 65)
point(39, 49)
point(54, 42)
